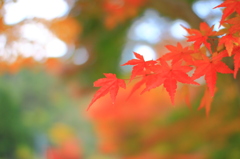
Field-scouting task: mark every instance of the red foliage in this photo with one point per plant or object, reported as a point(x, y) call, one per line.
point(209, 68)
point(203, 55)
point(175, 73)
point(141, 67)
point(231, 6)
point(110, 85)
point(178, 53)
point(201, 36)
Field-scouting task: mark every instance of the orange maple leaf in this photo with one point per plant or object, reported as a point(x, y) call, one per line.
point(206, 101)
point(235, 24)
point(228, 40)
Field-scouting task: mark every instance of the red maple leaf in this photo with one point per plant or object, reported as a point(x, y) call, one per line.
point(166, 75)
point(110, 85)
point(178, 53)
point(209, 68)
point(231, 7)
point(141, 67)
point(200, 37)
point(173, 74)
point(151, 81)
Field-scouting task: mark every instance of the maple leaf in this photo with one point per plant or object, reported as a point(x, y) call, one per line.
point(178, 53)
point(141, 67)
point(209, 68)
point(228, 40)
point(173, 74)
point(150, 80)
point(231, 7)
point(235, 24)
point(166, 75)
point(229, 35)
point(136, 86)
point(153, 81)
point(110, 84)
point(200, 37)
point(206, 101)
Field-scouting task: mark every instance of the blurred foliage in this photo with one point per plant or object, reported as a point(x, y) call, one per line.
point(13, 132)
point(33, 104)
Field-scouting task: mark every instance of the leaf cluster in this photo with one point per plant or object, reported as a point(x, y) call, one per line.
point(204, 55)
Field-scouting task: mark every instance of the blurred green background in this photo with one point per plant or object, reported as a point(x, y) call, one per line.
point(52, 51)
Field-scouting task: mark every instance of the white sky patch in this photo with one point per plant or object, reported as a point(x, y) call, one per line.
point(177, 31)
point(56, 48)
point(38, 34)
point(27, 49)
point(205, 8)
point(145, 50)
point(3, 41)
point(148, 31)
point(37, 40)
point(147, 28)
point(217, 26)
point(25, 9)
